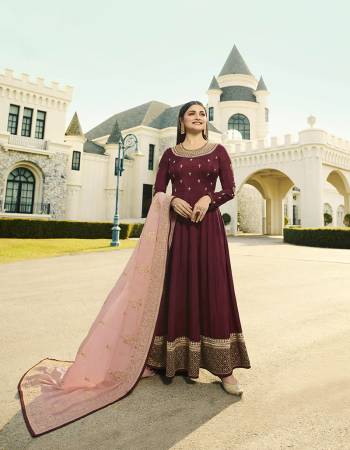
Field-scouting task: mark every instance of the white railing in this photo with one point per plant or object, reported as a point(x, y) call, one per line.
point(24, 141)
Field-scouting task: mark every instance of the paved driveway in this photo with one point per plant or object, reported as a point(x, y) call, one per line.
point(294, 305)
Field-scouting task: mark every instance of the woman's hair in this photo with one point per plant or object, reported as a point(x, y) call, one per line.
point(181, 137)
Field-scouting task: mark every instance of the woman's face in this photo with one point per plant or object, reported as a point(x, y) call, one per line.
point(195, 119)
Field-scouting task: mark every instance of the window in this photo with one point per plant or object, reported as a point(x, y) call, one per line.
point(241, 123)
point(27, 122)
point(76, 160)
point(266, 114)
point(13, 119)
point(40, 124)
point(20, 191)
point(151, 156)
point(211, 113)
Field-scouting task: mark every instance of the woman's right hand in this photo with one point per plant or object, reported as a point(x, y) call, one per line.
point(181, 207)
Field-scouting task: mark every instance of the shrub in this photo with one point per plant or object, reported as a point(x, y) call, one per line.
point(136, 230)
point(332, 237)
point(44, 229)
point(226, 218)
point(346, 220)
point(327, 218)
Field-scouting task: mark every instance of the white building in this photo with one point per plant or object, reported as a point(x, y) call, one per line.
point(48, 171)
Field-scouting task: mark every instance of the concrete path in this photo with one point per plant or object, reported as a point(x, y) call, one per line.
point(294, 305)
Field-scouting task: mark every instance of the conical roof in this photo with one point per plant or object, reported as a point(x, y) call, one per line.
point(235, 64)
point(261, 85)
point(115, 135)
point(74, 128)
point(214, 84)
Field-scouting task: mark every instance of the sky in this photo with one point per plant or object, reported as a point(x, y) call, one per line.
point(118, 55)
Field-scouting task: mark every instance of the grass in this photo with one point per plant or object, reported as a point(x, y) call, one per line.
point(18, 249)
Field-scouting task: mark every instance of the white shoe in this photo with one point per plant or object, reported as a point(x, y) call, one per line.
point(232, 388)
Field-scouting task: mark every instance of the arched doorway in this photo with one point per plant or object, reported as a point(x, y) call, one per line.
point(337, 193)
point(20, 191)
point(273, 205)
point(241, 123)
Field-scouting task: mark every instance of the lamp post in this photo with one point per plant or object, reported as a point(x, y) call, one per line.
point(125, 145)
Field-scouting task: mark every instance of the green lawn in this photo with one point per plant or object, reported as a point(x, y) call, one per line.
point(17, 249)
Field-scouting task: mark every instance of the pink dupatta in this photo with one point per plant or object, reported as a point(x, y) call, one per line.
point(111, 358)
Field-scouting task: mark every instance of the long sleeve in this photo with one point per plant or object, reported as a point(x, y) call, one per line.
point(227, 182)
point(162, 177)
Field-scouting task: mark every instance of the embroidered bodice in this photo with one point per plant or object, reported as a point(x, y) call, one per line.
point(194, 175)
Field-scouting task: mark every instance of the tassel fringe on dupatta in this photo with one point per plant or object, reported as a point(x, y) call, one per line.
point(111, 358)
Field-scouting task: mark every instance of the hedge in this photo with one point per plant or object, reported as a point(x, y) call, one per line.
point(330, 237)
point(44, 229)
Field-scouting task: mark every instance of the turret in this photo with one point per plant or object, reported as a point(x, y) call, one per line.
point(74, 131)
point(235, 71)
point(238, 99)
point(214, 91)
point(115, 135)
point(112, 147)
point(75, 137)
point(261, 94)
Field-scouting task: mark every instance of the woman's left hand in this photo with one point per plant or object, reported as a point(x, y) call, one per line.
point(200, 208)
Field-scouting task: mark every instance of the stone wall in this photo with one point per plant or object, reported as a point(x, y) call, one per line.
point(53, 171)
point(250, 208)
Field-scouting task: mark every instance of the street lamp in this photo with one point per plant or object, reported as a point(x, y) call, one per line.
point(129, 143)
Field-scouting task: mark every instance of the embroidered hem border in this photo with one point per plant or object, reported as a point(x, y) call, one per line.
point(218, 356)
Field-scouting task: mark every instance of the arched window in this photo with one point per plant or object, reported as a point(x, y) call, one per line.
point(20, 191)
point(241, 123)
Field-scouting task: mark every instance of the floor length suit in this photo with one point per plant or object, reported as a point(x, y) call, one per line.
point(198, 323)
point(172, 307)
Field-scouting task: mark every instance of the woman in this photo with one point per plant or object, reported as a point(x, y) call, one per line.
point(148, 320)
point(198, 323)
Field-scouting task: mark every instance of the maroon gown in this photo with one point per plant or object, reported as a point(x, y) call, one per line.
point(198, 324)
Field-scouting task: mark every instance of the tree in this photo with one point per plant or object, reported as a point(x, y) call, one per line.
point(327, 218)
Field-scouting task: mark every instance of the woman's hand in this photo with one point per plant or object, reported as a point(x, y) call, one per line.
point(181, 207)
point(200, 208)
